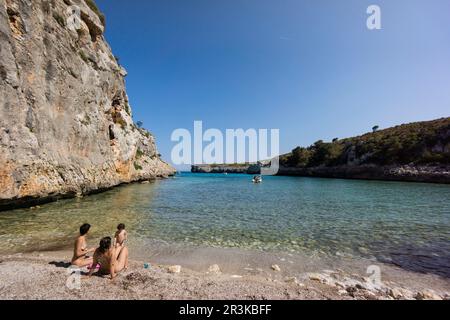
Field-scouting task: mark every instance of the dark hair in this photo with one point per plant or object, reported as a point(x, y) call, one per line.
point(85, 228)
point(105, 244)
point(121, 227)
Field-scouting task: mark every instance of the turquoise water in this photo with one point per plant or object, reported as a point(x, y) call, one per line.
point(407, 224)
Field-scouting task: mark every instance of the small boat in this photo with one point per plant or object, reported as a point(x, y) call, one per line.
point(257, 179)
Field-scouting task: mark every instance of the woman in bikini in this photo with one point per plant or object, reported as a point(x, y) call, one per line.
point(80, 251)
point(111, 259)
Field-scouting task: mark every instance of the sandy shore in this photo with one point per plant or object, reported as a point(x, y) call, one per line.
point(46, 275)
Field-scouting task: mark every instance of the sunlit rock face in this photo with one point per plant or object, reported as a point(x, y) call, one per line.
point(65, 121)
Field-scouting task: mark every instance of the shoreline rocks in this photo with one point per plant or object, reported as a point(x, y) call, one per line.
point(174, 269)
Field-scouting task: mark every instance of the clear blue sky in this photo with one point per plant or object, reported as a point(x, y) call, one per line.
point(309, 68)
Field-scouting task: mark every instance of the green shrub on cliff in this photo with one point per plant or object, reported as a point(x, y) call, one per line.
point(61, 21)
point(93, 6)
point(419, 143)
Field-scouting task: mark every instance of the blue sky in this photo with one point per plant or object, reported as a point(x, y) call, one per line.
point(309, 68)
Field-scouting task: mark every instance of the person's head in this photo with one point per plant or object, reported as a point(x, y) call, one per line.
point(84, 229)
point(105, 244)
point(121, 227)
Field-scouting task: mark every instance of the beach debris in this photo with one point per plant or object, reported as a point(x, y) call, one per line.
point(214, 269)
point(174, 269)
point(428, 295)
point(276, 268)
point(147, 265)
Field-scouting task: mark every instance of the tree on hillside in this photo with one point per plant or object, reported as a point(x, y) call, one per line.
point(376, 128)
point(300, 157)
point(325, 153)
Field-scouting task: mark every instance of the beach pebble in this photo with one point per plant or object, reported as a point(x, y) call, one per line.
point(316, 277)
point(174, 269)
point(363, 250)
point(352, 290)
point(215, 269)
point(395, 293)
point(276, 268)
point(400, 293)
point(291, 280)
point(328, 271)
point(343, 292)
point(428, 295)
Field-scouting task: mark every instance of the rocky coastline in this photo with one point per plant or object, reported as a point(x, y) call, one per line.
point(66, 126)
point(406, 173)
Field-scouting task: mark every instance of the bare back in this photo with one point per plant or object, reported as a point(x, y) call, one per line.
point(120, 237)
point(112, 261)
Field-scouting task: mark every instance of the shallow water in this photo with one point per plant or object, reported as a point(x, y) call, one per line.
point(406, 224)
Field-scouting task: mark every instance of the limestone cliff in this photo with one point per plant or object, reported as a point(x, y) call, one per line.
point(65, 121)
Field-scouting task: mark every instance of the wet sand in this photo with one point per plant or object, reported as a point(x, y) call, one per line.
point(212, 274)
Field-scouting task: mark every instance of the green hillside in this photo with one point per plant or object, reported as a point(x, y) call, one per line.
point(415, 143)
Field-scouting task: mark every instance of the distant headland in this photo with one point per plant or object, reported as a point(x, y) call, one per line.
point(416, 152)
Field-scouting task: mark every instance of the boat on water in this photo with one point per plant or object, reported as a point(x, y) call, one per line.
point(257, 179)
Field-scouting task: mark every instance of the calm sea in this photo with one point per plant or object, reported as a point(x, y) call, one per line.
point(406, 224)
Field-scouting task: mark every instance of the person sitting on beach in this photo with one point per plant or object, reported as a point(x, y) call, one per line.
point(120, 236)
point(80, 252)
point(111, 260)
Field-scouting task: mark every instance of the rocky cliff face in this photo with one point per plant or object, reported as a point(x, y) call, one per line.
point(65, 121)
point(407, 173)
